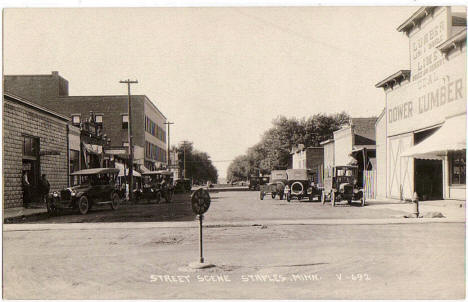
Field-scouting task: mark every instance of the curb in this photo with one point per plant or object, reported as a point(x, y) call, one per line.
point(219, 224)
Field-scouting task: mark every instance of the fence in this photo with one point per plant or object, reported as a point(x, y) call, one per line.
point(370, 183)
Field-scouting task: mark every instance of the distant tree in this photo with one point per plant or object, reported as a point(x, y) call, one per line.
point(273, 150)
point(198, 165)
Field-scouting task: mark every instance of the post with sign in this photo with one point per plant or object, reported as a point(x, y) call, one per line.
point(200, 203)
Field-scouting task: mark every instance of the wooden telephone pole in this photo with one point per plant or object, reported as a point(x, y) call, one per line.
point(169, 143)
point(130, 144)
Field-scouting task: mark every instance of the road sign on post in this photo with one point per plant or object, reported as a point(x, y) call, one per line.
point(200, 203)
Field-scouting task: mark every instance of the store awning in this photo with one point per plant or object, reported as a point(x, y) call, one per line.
point(124, 171)
point(450, 137)
point(144, 169)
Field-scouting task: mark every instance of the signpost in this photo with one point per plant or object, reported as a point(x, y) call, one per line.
point(200, 203)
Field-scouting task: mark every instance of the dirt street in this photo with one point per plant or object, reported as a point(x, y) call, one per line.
point(398, 261)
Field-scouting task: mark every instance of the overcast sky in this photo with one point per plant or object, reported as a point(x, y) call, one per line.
point(220, 74)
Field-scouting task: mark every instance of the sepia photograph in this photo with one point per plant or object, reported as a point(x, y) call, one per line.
point(234, 151)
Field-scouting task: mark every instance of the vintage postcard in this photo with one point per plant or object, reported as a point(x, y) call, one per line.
point(234, 152)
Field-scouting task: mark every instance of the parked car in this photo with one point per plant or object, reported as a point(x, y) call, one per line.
point(256, 181)
point(275, 187)
point(183, 185)
point(341, 184)
point(299, 185)
point(151, 189)
point(94, 187)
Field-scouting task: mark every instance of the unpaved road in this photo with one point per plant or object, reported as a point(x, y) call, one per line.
point(225, 207)
point(410, 261)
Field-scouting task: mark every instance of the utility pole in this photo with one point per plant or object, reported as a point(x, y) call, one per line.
point(130, 144)
point(185, 170)
point(169, 143)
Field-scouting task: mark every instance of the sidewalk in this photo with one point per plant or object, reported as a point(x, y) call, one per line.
point(21, 211)
point(455, 209)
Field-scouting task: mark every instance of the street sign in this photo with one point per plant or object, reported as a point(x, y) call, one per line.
point(200, 201)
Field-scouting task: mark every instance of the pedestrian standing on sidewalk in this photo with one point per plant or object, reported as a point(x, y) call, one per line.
point(26, 189)
point(44, 188)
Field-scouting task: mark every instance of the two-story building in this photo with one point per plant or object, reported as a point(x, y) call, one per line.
point(421, 135)
point(110, 114)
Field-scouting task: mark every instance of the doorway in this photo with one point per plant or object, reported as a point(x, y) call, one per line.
point(428, 179)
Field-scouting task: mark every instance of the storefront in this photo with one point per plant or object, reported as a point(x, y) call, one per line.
point(424, 126)
point(35, 142)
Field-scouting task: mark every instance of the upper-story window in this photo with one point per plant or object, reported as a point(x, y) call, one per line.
point(98, 118)
point(76, 119)
point(125, 121)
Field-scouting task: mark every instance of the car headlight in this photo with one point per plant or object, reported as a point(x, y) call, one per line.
point(152, 190)
point(55, 194)
point(73, 193)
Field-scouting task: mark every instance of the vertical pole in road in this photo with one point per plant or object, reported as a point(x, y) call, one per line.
point(201, 238)
point(130, 145)
point(169, 143)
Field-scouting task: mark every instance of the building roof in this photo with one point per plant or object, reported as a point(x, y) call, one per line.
point(328, 141)
point(23, 101)
point(453, 42)
point(416, 18)
point(397, 77)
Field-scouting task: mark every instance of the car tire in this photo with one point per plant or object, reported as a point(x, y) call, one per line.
point(115, 201)
point(288, 197)
point(83, 205)
point(168, 196)
point(262, 195)
point(363, 203)
point(273, 195)
point(157, 197)
point(281, 195)
point(51, 209)
point(311, 197)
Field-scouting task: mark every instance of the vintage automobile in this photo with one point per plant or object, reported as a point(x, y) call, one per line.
point(256, 181)
point(299, 185)
point(276, 185)
point(341, 183)
point(94, 187)
point(157, 185)
point(183, 185)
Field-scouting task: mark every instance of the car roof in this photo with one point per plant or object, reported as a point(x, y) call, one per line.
point(164, 172)
point(96, 171)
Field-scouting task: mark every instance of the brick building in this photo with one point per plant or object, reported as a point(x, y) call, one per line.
point(34, 142)
point(110, 111)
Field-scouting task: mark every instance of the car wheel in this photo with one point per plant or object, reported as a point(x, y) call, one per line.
point(273, 195)
point(311, 197)
point(281, 196)
point(333, 198)
point(157, 197)
point(168, 196)
point(115, 201)
point(51, 209)
point(261, 195)
point(288, 197)
point(83, 205)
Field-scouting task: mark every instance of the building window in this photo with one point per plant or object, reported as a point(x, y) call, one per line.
point(458, 168)
point(98, 119)
point(76, 119)
point(30, 146)
point(125, 121)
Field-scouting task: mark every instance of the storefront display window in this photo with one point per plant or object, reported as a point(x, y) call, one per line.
point(458, 168)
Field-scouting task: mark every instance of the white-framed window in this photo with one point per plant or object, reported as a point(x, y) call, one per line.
point(124, 121)
point(98, 118)
point(76, 119)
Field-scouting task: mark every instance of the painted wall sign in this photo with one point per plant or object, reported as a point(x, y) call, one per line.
point(438, 85)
